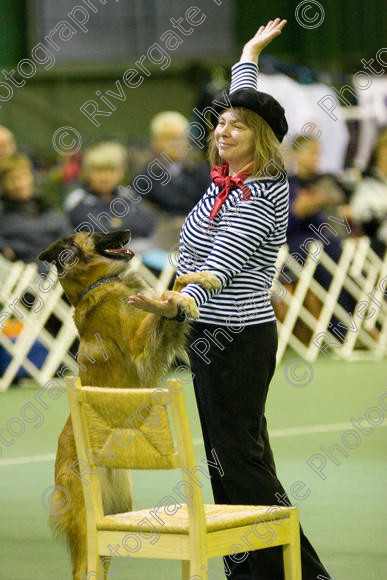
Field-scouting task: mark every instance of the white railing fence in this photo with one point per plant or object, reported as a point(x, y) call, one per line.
point(360, 271)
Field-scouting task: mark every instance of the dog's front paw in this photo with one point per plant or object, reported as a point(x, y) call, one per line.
point(206, 279)
point(209, 281)
point(188, 305)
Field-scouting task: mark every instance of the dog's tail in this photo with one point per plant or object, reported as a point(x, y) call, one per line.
point(59, 518)
point(56, 528)
point(180, 357)
point(116, 486)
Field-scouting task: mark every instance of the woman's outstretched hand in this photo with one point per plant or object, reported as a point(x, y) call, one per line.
point(261, 39)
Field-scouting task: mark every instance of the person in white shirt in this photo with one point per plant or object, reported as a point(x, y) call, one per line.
point(369, 200)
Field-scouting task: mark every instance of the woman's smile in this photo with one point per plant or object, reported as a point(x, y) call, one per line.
point(234, 140)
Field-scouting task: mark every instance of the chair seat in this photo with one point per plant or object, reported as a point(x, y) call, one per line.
point(218, 517)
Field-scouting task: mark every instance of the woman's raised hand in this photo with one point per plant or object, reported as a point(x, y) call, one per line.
point(261, 39)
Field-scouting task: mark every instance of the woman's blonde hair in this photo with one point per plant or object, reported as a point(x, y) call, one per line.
point(267, 146)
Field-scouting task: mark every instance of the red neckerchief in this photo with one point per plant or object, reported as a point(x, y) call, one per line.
point(221, 178)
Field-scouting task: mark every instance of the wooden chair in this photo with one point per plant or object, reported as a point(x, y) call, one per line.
point(192, 532)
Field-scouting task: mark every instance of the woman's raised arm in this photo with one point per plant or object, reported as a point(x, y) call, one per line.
point(244, 74)
point(265, 34)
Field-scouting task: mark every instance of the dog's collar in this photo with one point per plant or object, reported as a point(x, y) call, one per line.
point(98, 283)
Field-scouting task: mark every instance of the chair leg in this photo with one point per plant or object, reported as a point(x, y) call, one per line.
point(292, 551)
point(196, 568)
point(104, 565)
point(185, 564)
point(190, 568)
point(99, 566)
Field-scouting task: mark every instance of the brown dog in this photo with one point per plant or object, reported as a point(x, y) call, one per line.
point(137, 348)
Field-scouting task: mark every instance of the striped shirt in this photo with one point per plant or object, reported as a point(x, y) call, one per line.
point(241, 245)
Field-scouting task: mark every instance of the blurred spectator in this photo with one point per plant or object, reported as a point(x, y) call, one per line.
point(369, 201)
point(7, 142)
point(312, 198)
point(57, 179)
point(139, 155)
point(207, 81)
point(28, 224)
point(70, 169)
point(104, 168)
point(189, 177)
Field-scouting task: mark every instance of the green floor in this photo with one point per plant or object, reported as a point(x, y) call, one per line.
point(344, 515)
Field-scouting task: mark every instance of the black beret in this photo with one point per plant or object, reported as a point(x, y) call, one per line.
point(263, 104)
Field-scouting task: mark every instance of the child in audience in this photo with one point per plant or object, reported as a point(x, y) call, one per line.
point(28, 223)
point(7, 142)
point(97, 201)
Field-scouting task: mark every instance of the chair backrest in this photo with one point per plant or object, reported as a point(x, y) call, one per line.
point(131, 429)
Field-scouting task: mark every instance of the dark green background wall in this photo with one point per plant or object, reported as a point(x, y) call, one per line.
point(352, 30)
point(13, 26)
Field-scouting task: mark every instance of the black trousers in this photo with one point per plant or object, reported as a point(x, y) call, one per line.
point(231, 386)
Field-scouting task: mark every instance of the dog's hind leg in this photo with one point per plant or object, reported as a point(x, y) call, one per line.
point(78, 549)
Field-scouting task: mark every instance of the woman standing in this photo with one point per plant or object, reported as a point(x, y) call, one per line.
point(235, 231)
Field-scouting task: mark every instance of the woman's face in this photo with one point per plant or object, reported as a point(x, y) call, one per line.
point(234, 140)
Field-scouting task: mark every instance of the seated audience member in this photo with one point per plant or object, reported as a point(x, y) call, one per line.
point(98, 201)
point(69, 169)
point(28, 223)
point(312, 199)
point(7, 143)
point(369, 200)
point(189, 175)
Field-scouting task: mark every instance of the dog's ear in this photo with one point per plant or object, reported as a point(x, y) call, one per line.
point(51, 253)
